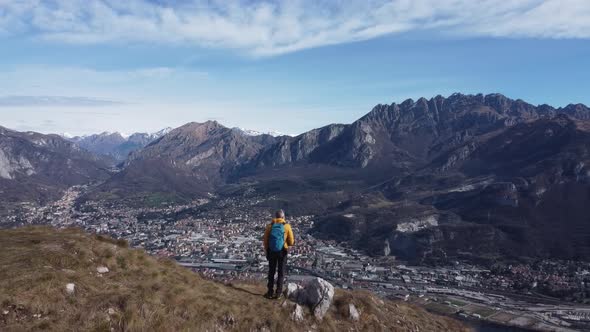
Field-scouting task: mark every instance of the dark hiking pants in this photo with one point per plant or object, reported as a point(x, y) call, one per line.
point(276, 261)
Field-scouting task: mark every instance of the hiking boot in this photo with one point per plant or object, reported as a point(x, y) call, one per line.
point(278, 296)
point(268, 295)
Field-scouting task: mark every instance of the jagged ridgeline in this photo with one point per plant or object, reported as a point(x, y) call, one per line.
point(65, 280)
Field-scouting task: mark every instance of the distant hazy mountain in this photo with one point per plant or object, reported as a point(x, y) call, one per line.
point(421, 179)
point(116, 145)
point(36, 167)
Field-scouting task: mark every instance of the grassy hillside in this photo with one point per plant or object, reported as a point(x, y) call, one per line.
point(143, 293)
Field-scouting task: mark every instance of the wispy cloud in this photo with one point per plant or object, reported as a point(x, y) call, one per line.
point(266, 28)
point(83, 86)
point(54, 101)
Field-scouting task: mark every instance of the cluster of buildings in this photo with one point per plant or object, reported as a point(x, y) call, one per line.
point(569, 280)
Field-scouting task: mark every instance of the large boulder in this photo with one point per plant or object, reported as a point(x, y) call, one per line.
point(317, 294)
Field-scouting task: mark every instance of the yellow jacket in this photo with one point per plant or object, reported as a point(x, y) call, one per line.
point(289, 238)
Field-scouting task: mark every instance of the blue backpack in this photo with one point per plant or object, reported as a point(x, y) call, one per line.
point(276, 241)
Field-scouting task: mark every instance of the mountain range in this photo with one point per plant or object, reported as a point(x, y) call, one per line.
point(475, 176)
point(118, 146)
point(114, 144)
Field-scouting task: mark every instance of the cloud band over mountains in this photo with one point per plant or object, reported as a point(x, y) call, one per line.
point(269, 28)
point(54, 101)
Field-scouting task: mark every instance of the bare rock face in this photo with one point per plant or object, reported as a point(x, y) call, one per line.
point(386, 248)
point(287, 150)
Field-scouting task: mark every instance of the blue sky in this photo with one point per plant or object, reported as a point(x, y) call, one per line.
point(88, 66)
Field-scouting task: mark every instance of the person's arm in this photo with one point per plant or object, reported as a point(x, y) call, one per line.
point(265, 238)
point(290, 237)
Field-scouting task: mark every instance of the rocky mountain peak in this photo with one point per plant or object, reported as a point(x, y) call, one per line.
point(577, 111)
point(197, 129)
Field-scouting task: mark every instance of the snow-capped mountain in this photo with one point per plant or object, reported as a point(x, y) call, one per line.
point(161, 133)
point(251, 132)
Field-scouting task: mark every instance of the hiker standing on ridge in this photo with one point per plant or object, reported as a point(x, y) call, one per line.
point(278, 237)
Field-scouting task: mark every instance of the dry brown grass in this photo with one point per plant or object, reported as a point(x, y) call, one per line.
point(144, 293)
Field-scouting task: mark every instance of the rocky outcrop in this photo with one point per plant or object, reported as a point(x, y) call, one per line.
point(319, 294)
point(11, 165)
point(290, 150)
point(412, 225)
